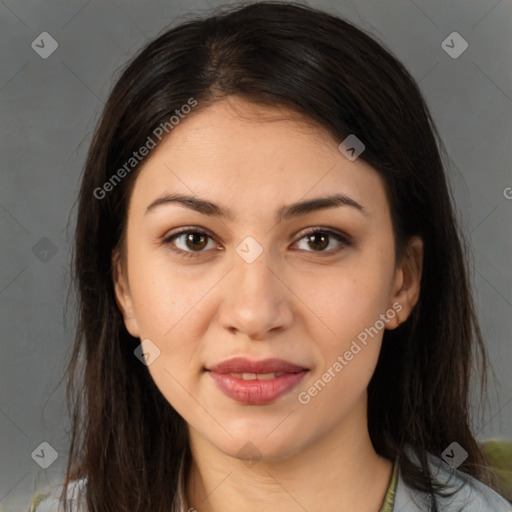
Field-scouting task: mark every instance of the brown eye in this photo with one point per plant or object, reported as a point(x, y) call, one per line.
point(188, 242)
point(196, 240)
point(319, 239)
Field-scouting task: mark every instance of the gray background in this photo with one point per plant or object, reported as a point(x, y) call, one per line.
point(49, 109)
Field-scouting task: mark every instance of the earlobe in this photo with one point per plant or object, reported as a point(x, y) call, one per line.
point(407, 287)
point(123, 295)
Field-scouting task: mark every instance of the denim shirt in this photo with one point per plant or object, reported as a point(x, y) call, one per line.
point(472, 495)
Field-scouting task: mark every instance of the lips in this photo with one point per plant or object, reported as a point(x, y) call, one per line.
point(243, 365)
point(256, 382)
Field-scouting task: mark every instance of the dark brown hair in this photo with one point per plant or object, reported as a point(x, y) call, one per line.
point(126, 438)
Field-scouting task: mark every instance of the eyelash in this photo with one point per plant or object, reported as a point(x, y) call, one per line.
point(343, 239)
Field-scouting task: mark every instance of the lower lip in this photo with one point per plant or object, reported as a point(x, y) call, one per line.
point(256, 392)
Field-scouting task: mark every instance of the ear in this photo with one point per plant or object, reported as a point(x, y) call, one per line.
point(123, 295)
point(406, 285)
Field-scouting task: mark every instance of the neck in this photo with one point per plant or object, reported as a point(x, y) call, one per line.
point(335, 472)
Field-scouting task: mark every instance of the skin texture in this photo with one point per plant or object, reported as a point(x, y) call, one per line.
point(302, 300)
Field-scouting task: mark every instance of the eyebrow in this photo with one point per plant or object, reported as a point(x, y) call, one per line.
point(284, 213)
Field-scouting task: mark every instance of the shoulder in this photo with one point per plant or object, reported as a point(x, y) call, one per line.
point(469, 494)
point(49, 499)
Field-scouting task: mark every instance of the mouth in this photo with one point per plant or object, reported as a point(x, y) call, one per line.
point(256, 376)
point(256, 382)
point(244, 366)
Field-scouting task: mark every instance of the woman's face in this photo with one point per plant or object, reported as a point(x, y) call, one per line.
point(255, 283)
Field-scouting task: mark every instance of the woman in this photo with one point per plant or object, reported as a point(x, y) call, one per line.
point(274, 304)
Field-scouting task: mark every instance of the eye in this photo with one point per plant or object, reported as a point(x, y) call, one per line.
point(319, 239)
point(191, 241)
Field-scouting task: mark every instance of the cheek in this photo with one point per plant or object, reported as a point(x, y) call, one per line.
point(348, 352)
point(171, 307)
point(350, 303)
point(169, 310)
point(161, 294)
point(352, 298)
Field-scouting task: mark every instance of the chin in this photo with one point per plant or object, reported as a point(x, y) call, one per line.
point(264, 444)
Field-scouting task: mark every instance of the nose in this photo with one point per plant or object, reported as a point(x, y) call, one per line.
point(257, 301)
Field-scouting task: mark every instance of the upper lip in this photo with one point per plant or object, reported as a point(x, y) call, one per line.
point(244, 365)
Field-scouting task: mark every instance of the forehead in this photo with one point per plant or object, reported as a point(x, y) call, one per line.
point(254, 155)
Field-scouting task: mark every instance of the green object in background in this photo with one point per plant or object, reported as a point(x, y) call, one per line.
point(499, 456)
point(35, 501)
